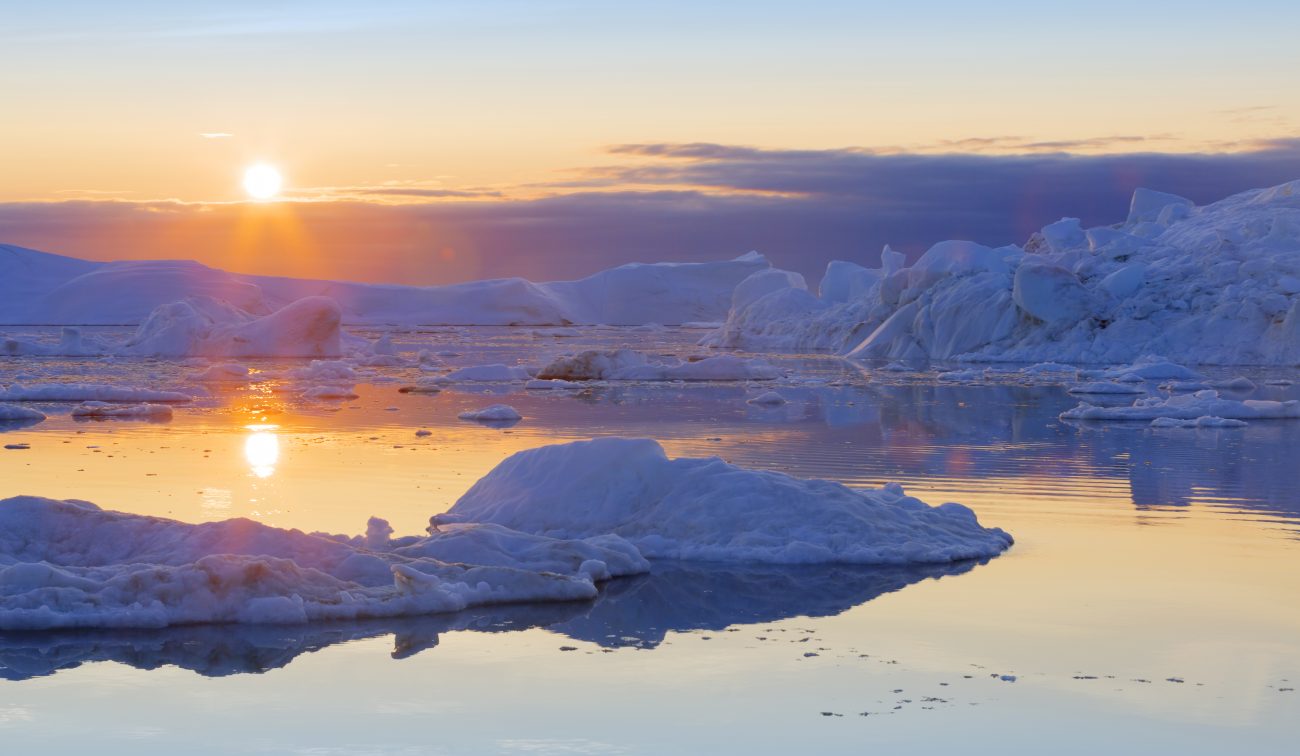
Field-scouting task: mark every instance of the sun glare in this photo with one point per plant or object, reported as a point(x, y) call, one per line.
point(262, 450)
point(262, 181)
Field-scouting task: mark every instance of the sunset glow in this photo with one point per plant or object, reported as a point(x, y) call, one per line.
point(262, 181)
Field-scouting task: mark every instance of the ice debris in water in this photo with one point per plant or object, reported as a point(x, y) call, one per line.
point(494, 413)
point(1205, 403)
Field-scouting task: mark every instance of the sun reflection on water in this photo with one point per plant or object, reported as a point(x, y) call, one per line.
point(262, 449)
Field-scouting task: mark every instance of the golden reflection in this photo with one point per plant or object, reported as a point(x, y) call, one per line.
point(262, 449)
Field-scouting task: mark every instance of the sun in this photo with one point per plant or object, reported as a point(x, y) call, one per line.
point(262, 181)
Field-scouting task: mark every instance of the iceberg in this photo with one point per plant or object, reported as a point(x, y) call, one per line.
point(1218, 284)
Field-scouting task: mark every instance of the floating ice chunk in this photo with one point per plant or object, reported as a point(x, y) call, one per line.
point(769, 398)
point(422, 433)
point(14, 413)
point(486, 374)
point(1239, 383)
point(430, 386)
point(144, 411)
point(1105, 387)
point(1049, 369)
point(1152, 368)
point(592, 365)
point(496, 413)
point(1204, 421)
point(709, 509)
point(88, 392)
point(1189, 407)
point(1185, 386)
point(330, 393)
point(897, 367)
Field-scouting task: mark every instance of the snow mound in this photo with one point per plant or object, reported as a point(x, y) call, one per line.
point(1218, 284)
point(1189, 407)
point(708, 509)
point(66, 564)
point(205, 327)
point(88, 392)
point(496, 413)
point(130, 411)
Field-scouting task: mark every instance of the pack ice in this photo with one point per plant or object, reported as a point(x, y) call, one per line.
point(1218, 284)
point(545, 525)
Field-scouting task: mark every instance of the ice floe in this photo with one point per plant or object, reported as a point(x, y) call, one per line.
point(1205, 403)
point(144, 411)
point(88, 392)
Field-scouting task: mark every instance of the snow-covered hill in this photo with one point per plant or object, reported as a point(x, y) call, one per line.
point(1218, 284)
point(38, 288)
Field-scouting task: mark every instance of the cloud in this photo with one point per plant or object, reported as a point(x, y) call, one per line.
point(215, 135)
point(681, 202)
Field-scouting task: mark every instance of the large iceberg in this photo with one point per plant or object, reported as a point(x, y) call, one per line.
point(1218, 284)
point(37, 288)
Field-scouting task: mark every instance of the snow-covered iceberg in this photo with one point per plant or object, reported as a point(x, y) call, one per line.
point(709, 509)
point(1218, 284)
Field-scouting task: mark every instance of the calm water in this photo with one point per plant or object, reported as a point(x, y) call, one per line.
point(1149, 603)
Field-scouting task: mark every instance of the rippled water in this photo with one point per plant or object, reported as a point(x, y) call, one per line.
point(1148, 604)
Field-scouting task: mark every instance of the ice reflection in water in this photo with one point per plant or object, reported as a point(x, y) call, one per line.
point(262, 450)
point(639, 612)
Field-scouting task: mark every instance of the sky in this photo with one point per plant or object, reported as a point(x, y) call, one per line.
point(430, 142)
